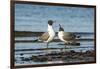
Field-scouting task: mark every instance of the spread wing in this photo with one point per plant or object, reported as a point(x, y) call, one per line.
point(68, 36)
point(44, 36)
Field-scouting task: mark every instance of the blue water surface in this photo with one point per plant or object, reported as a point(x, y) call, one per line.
point(30, 17)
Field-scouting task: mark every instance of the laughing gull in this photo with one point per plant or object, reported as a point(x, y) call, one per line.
point(66, 37)
point(48, 36)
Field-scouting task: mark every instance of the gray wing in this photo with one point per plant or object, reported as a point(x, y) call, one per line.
point(44, 36)
point(69, 36)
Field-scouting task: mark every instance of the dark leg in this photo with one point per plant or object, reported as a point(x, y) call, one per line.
point(47, 45)
point(65, 47)
point(47, 48)
point(47, 51)
point(63, 53)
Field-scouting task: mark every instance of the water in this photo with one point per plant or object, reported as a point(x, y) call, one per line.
point(31, 46)
point(35, 17)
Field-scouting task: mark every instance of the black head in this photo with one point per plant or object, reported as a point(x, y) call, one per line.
point(60, 28)
point(50, 22)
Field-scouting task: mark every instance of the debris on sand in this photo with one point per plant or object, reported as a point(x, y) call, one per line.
point(65, 56)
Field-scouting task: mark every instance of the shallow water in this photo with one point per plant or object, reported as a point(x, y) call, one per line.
point(31, 46)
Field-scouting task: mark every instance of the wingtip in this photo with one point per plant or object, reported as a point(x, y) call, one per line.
point(35, 40)
point(79, 36)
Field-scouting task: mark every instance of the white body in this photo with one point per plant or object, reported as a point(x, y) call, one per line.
point(60, 35)
point(51, 33)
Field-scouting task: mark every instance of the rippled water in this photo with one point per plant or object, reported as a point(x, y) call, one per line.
point(84, 46)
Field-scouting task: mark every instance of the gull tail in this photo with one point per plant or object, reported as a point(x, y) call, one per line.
point(35, 40)
point(78, 36)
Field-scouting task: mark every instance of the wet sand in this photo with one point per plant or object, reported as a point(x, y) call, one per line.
point(66, 57)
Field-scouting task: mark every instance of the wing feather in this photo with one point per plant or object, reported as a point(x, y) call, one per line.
point(68, 36)
point(44, 36)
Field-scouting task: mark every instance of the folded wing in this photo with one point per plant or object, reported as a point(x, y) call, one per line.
point(68, 36)
point(44, 36)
